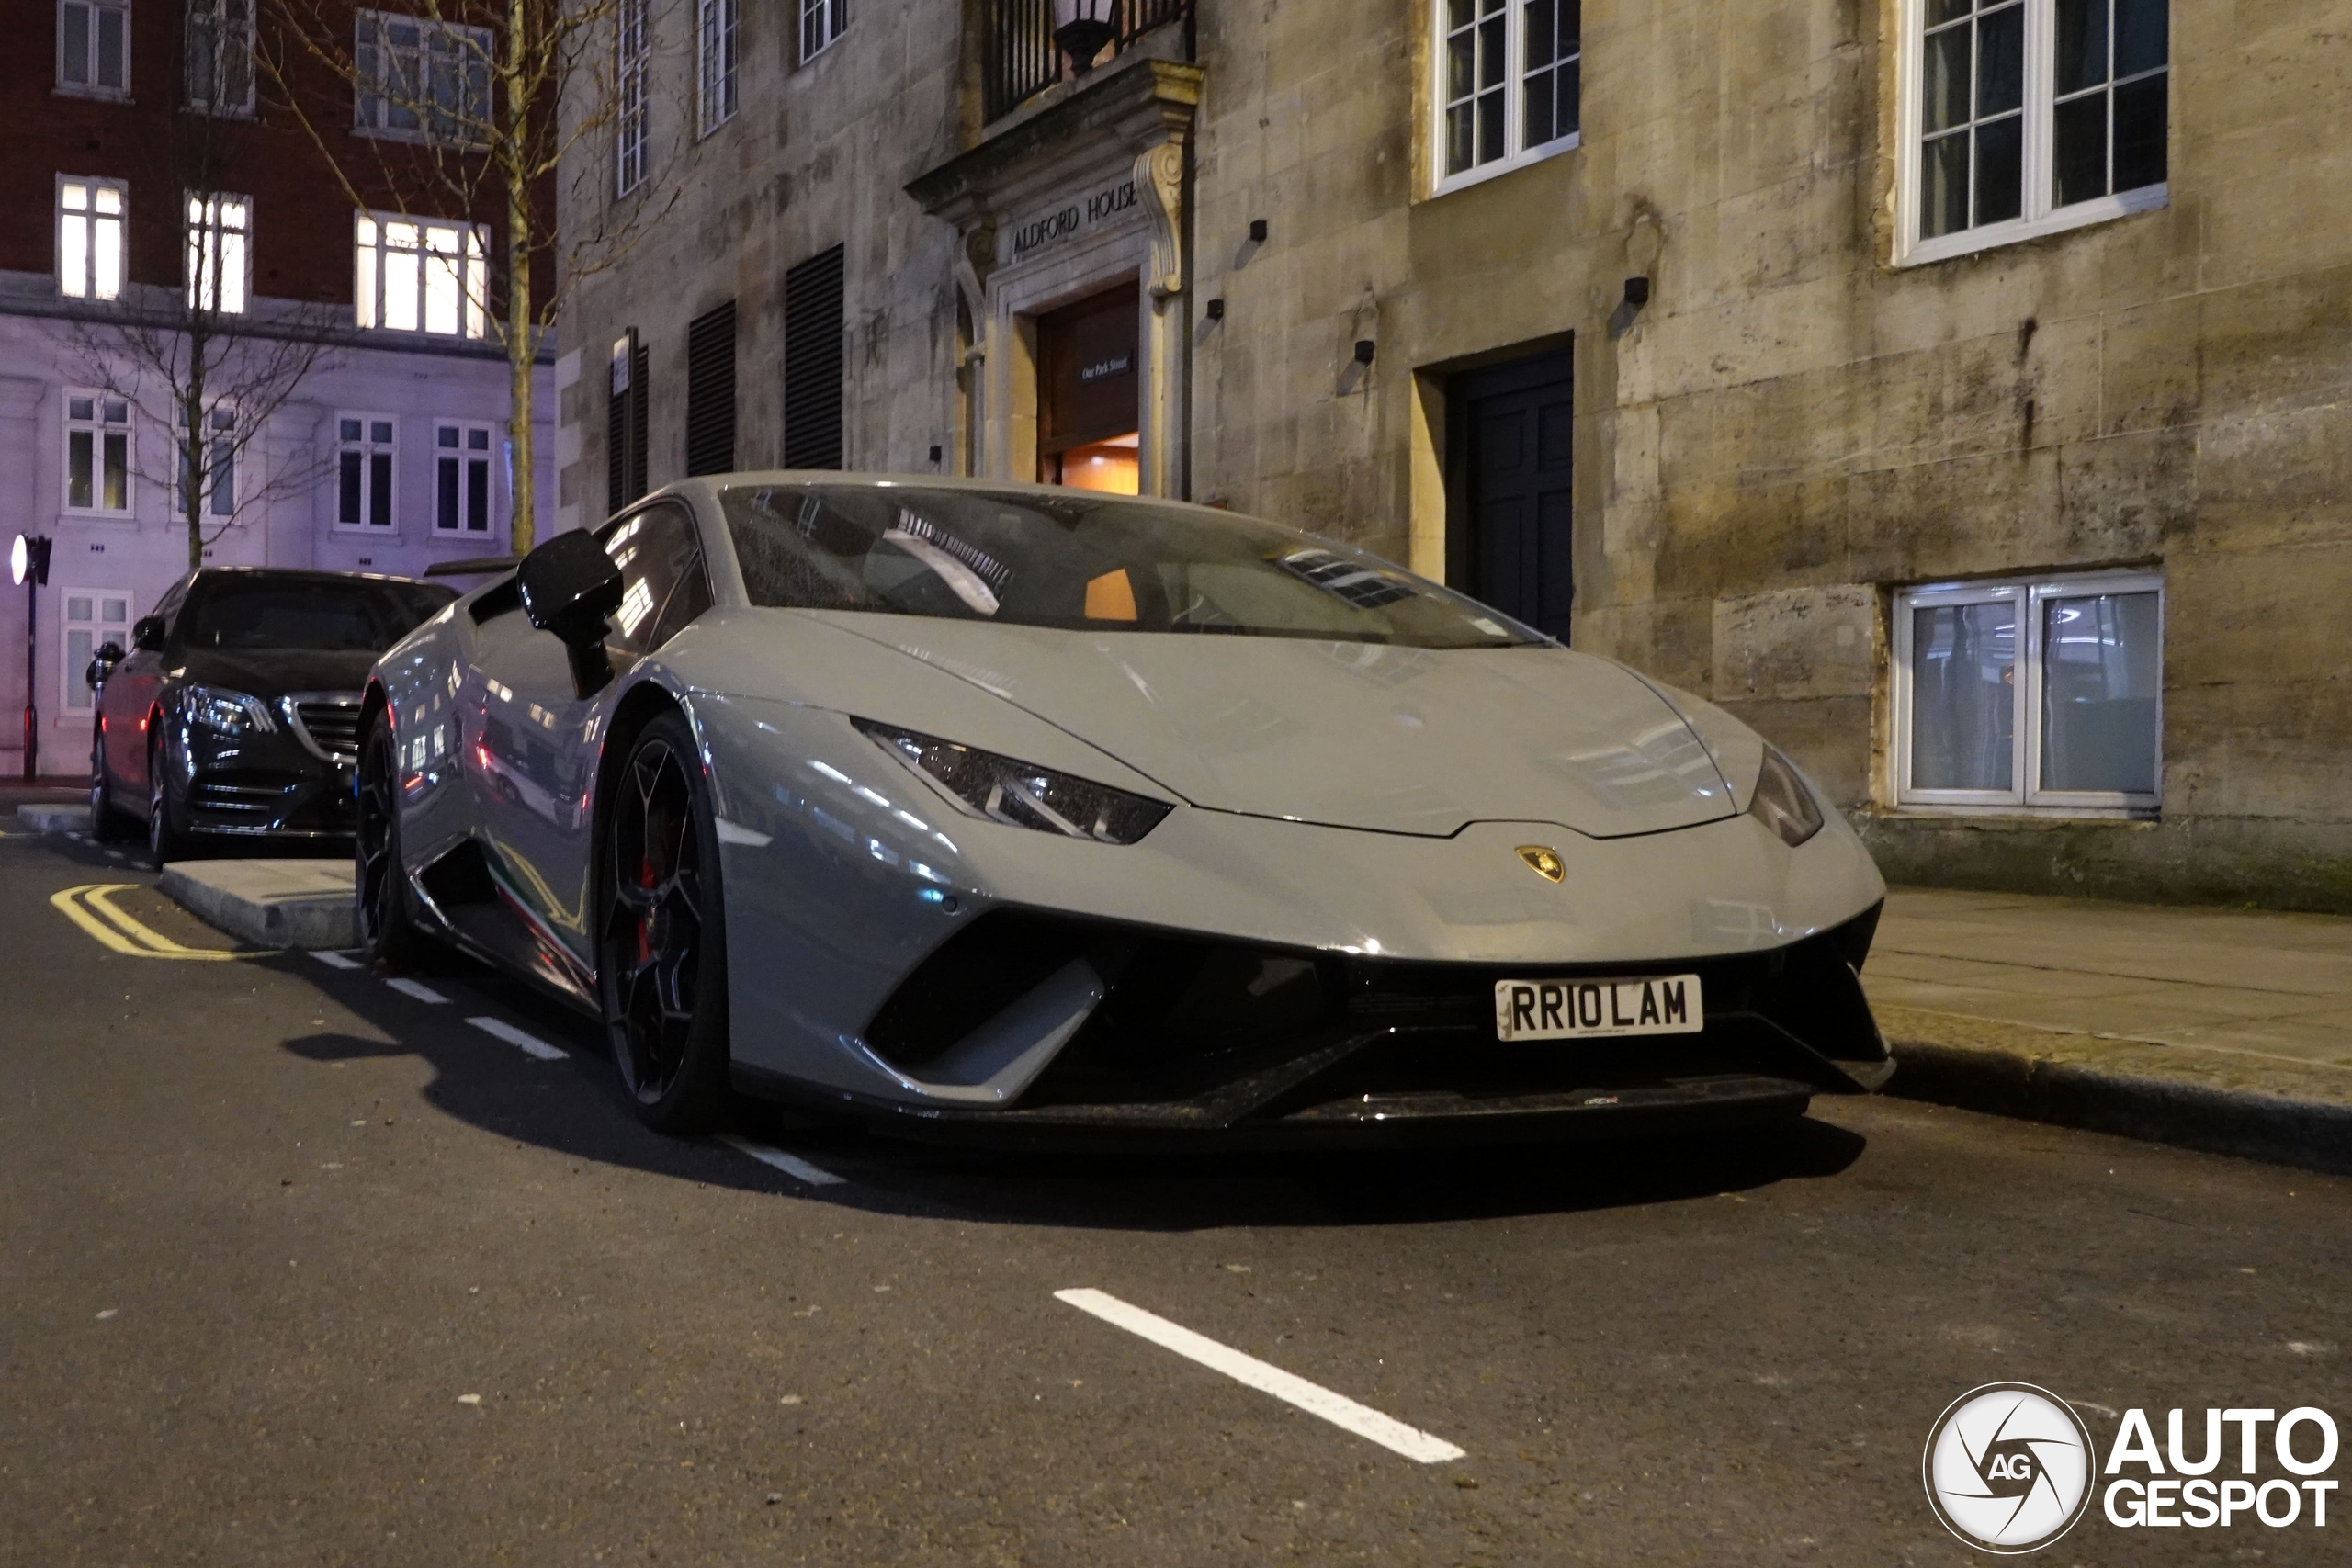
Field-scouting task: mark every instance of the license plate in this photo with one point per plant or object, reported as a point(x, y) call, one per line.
point(1596, 1010)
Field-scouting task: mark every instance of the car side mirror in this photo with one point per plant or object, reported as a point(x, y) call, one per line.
point(568, 586)
point(102, 663)
point(147, 634)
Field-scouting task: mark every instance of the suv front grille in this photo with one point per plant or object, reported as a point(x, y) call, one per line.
point(328, 723)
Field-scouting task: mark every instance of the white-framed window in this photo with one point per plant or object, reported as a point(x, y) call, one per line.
point(461, 477)
point(632, 64)
point(421, 79)
point(221, 56)
point(90, 216)
point(821, 22)
point(94, 47)
point(1509, 82)
point(2029, 116)
point(421, 274)
point(219, 477)
point(98, 452)
point(367, 444)
point(2042, 695)
point(92, 617)
point(715, 62)
point(219, 252)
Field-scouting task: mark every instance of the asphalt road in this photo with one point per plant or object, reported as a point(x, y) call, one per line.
point(299, 1268)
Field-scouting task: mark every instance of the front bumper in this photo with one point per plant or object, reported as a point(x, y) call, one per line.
point(1198, 1040)
point(279, 785)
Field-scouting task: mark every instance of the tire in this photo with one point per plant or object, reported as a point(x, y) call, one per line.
point(662, 940)
point(108, 824)
point(167, 837)
point(388, 936)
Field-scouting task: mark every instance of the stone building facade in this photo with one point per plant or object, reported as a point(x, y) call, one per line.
point(1954, 388)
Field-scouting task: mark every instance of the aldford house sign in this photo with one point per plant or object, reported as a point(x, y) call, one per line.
point(1071, 219)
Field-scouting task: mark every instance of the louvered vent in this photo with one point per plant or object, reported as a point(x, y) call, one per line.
point(812, 363)
point(710, 391)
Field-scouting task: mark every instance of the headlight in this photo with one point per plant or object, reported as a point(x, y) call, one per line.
point(227, 711)
point(1023, 795)
point(1783, 802)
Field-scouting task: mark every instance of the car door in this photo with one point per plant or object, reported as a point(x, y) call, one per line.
point(130, 691)
point(536, 736)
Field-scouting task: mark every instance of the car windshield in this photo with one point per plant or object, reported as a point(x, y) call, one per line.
point(1083, 562)
point(325, 614)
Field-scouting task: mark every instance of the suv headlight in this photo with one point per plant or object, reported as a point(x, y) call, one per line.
point(1783, 802)
point(223, 710)
point(1021, 795)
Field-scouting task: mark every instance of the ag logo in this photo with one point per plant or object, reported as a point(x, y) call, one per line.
point(2009, 1467)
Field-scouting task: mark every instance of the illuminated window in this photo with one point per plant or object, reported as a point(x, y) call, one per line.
point(419, 275)
point(2043, 695)
point(221, 56)
point(423, 79)
point(94, 46)
point(1509, 84)
point(2026, 117)
point(219, 256)
point(714, 52)
point(89, 237)
point(364, 470)
point(461, 477)
point(98, 452)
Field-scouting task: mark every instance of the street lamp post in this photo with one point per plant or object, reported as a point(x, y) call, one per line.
point(29, 564)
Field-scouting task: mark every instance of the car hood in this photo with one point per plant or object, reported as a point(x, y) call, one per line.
point(274, 671)
point(1350, 735)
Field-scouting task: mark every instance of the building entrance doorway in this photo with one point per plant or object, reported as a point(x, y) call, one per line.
point(1089, 422)
point(1511, 542)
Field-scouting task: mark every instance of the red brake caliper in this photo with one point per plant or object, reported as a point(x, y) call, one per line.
point(645, 920)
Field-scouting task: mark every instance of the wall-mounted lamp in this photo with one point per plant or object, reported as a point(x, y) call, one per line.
point(1215, 309)
point(1638, 292)
point(1257, 230)
point(1363, 351)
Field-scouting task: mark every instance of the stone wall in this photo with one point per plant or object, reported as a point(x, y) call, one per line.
point(1790, 429)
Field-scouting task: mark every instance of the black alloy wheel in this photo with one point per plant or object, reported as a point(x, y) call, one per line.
point(387, 932)
point(661, 969)
point(166, 818)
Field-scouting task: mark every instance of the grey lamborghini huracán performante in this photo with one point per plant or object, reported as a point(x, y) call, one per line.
point(1003, 810)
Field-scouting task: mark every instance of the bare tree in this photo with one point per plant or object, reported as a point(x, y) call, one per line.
point(469, 110)
point(203, 362)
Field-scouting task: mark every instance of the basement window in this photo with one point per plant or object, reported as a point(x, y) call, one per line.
point(2042, 696)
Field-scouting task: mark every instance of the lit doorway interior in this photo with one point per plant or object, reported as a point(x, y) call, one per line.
point(1088, 381)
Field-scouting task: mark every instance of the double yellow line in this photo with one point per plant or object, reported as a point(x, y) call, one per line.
point(120, 931)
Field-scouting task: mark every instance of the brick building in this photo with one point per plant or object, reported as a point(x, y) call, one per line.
point(1953, 387)
point(385, 453)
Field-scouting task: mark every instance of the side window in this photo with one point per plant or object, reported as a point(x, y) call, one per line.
point(665, 584)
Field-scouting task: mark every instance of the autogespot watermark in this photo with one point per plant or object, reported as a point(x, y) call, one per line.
point(2009, 1467)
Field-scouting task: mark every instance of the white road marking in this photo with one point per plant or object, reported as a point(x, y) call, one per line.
point(736, 833)
point(530, 1043)
point(1338, 1409)
point(337, 961)
point(417, 989)
point(791, 1165)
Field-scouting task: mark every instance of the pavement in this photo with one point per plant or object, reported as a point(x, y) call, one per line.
point(2216, 1029)
point(301, 1265)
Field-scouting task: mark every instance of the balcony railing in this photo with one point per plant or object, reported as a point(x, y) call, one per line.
point(1023, 59)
